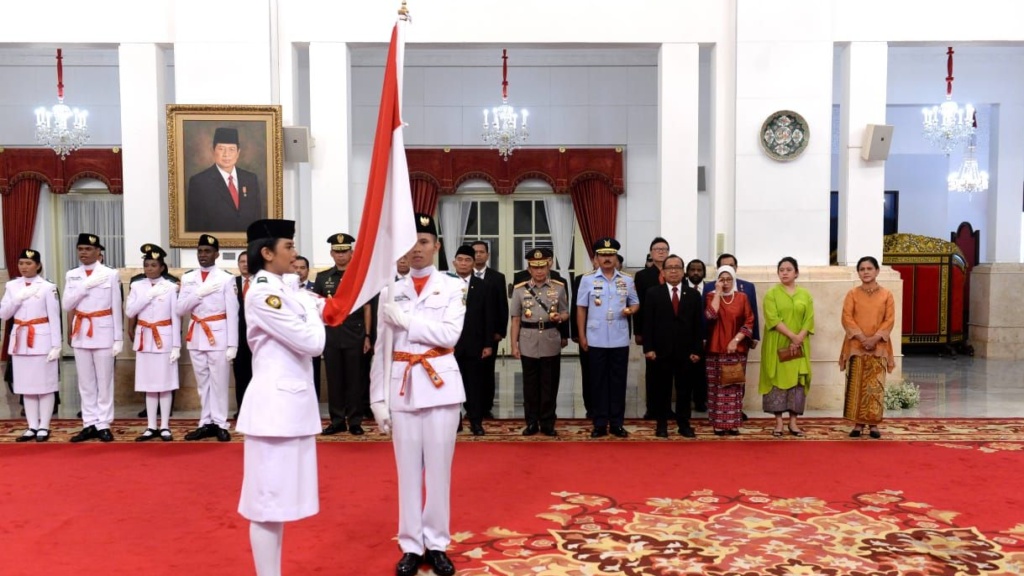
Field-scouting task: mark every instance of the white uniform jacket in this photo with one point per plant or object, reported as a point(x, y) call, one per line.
point(284, 332)
point(154, 315)
point(29, 317)
point(96, 310)
point(202, 324)
point(435, 321)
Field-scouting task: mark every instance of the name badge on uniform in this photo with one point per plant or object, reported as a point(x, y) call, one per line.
point(401, 298)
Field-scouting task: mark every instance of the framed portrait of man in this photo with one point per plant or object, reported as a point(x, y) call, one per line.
point(225, 170)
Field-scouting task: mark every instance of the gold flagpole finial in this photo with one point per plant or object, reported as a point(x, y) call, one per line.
point(403, 12)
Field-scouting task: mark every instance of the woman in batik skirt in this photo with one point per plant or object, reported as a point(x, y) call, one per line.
point(35, 342)
point(729, 332)
point(869, 313)
point(157, 341)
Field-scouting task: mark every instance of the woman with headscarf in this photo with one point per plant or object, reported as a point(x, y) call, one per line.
point(729, 331)
point(151, 300)
point(35, 342)
point(869, 314)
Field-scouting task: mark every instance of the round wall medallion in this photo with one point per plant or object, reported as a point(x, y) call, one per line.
point(784, 135)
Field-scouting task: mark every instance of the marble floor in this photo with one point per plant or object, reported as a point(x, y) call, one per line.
point(950, 388)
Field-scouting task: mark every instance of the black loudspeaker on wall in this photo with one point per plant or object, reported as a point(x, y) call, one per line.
point(877, 138)
point(296, 144)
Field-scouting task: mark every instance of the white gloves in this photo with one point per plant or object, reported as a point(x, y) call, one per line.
point(96, 280)
point(381, 415)
point(291, 281)
point(53, 355)
point(175, 354)
point(231, 352)
point(159, 290)
point(394, 315)
point(27, 293)
point(116, 349)
point(207, 288)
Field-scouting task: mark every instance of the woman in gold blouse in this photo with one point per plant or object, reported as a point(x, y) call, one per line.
point(869, 313)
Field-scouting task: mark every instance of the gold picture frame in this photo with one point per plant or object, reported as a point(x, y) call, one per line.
point(198, 188)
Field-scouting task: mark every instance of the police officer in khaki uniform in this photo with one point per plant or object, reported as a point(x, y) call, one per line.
point(538, 307)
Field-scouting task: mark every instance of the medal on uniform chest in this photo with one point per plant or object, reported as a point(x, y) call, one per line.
point(528, 313)
point(554, 312)
point(598, 288)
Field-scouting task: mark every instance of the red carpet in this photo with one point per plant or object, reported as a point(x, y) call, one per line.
point(748, 508)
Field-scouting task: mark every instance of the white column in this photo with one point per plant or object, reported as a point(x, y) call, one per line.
point(329, 89)
point(861, 183)
point(782, 208)
point(1006, 178)
point(143, 74)
point(721, 171)
point(678, 118)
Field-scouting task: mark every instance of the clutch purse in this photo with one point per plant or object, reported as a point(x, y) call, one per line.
point(733, 374)
point(785, 354)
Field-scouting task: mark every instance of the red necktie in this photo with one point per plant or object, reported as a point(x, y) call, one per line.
point(233, 190)
point(245, 287)
point(675, 300)
point(88, 273)
point(204, 274)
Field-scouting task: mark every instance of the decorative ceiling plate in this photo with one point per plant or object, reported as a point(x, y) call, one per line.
point(784, 135)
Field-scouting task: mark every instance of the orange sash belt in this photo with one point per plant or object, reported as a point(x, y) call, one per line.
point(422, 359)
point(206, 327)
point(154, 329)
point(31, 325)
point(79, 316)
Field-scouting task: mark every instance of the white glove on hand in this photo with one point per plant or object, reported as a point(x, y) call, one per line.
point(207, 288)
point(116, 349)
point(231, 352)
point(27, 293)
point(381, 415)
point(53, 355)
point(159, 290)
point(395, 316)
point(175, 354)
point(291, 281)
point(95, 280)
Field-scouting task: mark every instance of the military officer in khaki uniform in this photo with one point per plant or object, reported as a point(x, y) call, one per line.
point(538, 306)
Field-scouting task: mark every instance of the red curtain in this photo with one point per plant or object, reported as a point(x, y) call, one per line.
point(424, 196)
point(595, 206)
point(20, 207)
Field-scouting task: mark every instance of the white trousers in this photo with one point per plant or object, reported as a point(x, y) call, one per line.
point(213, 378)
point(95, 368)
point(424, 443)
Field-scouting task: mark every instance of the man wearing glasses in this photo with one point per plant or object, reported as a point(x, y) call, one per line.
point(646, 279)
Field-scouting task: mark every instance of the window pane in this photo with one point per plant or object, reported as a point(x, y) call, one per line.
point(542, 218)
point(522, 217)
point(473, 223)
point(488, 218)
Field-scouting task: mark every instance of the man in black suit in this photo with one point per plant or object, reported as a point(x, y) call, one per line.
point(695, 272)
point(574, 334)
point(499, 302)
point(646, 279)
point(223, 198)
point(477, 328)
point(241, 366)
point(301, 267)
point(345, 347)
point(672, 343)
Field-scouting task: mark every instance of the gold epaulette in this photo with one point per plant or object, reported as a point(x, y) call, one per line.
point(521, 284)
point(556, 282)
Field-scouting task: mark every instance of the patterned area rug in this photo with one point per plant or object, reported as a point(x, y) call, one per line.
point(983, 434)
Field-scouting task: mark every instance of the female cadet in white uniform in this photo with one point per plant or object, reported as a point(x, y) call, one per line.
point(280, 417)
point(35, 342)
point(424, 318)
point(152, 300)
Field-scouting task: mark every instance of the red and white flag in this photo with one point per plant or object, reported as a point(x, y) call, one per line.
point(388, 227)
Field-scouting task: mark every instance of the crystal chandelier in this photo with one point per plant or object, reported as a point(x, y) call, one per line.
point(503, 131)
point(52, 125)
point(948, 125)
point(970, 178)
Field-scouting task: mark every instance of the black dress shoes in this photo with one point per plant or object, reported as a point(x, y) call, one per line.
point(440, 562)
point(333, 428)
point(743, 416)
point(875, 434)
point(149, 434)
point(661, 431)
point(356, 430)
point(733, 432)
point(28, 436)
point(477, 429)
point(409, 565)
point(166, 435)
point(200, 433)
point(531, 429)
point(549, 431)
point(687, 432)
point(42, 435)
point(105, 435)
point(619, 431)
point(87, 433)
point(223, 435)
point(598, 432)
